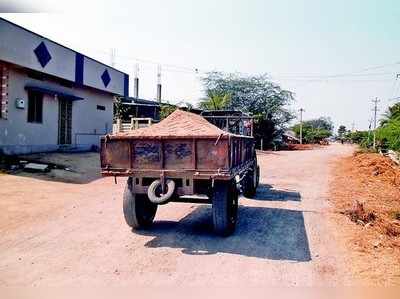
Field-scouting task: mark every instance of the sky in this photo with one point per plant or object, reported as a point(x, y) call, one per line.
point(336, 56)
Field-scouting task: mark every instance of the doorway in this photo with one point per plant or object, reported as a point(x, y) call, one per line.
point(64, 121)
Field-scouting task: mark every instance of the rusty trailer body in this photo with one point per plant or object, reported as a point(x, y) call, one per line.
point(188, 154)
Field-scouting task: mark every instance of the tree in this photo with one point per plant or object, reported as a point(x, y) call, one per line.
point(392, 113)
point(315, 130)
point(255, 95)
point(215, 101)
point(166, 109)
point(388, 134)
point(324, 123)
point(341, 131)
point(120, 109)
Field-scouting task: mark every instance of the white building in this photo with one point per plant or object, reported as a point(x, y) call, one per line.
point(52, 96)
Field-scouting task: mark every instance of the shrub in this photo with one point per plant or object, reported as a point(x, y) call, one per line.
point(389, 134)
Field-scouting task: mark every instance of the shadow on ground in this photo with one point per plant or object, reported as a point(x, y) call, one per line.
point(268, 193)
point(276, 234)
point(74, 168)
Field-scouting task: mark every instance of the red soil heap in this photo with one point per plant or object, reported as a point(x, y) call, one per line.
point(178, 124)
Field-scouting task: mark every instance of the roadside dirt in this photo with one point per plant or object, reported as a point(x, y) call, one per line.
point(366, 193)
point(302, 147)
point(30, 197)
point(63, 233)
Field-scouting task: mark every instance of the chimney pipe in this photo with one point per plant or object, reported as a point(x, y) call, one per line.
point(136, 88)
point(136, 82)
point(159, 92)
point(159, 83)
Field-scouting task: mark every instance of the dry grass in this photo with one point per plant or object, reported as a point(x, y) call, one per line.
point(366, 194)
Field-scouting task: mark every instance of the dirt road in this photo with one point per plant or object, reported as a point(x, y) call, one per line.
point(80, 237)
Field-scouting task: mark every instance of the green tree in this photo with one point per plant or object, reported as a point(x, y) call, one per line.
point(166, 109)
point(393, 113)
point(215, 101)
point(255, 95)
point(120, 110)
point(388, 134)
point(315, 130)
point(341, 131)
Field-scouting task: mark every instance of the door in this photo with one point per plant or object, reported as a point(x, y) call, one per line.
point(64, 121)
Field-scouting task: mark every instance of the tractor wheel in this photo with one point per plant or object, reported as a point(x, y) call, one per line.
point(251, 183)
point(139, 211)
point(224, 207)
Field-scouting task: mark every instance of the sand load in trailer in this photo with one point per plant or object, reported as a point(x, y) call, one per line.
point(183, 158)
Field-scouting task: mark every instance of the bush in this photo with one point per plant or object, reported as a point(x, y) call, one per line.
point(389, 135)
point(363, 138)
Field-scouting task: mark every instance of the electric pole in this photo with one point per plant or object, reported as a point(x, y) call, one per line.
point(301, 125)
point(376, 101)
point(369, 127)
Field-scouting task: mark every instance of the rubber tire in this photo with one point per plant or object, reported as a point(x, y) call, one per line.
point(151, 192)
point(258, 176)
point(224, 207)
point(251, 183)
point(139, 211)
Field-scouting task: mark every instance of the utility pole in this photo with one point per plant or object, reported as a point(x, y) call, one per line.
point(301, 125)
point(376, 101)
point(369, 127)
point(353, 126)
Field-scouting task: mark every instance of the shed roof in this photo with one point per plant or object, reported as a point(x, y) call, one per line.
point(133, 101)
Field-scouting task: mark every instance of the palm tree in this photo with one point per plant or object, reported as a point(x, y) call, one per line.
point(391, 114)
point(215, 101)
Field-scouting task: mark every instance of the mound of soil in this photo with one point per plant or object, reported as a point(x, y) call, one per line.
point(178, 124)
point(366, 191)
point(379, 166)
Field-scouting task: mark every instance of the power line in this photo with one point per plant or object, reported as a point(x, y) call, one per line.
point(396, 90)
point(195, 70)
point(343, 74)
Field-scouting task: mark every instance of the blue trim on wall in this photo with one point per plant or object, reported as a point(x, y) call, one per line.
point(79, 68)
point(126, 85)
point(42, 54)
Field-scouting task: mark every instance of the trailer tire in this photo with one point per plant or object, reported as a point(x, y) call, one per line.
point(224, 207)
point(139, 211)
point(251, 183)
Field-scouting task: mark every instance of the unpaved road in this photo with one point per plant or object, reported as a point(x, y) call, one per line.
point(283, 236)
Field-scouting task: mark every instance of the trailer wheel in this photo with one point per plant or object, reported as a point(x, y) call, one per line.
point(139, 211)
point(251, 182)
point(258, 176)
point(224, 207)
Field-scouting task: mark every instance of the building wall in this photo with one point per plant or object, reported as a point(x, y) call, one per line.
point(18, 136)
point(17, 46)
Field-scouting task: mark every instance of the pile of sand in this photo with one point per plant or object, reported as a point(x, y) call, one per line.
point(178, 124)
point(379, 166)
point(366, 189)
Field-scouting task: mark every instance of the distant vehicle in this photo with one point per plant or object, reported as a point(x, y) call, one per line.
point(185, 158)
